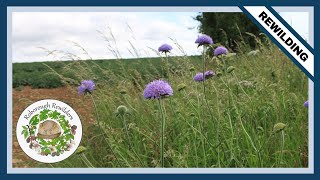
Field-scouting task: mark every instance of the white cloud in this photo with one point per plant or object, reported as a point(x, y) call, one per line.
point(55, 30)
point(299, 21)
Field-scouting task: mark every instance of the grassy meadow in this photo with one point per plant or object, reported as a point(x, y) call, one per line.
point(232, 125)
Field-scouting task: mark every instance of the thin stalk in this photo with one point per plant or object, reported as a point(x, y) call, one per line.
point(88, 163)
point(204, 69)
point(162, 133)
point(129, 139)
point(234, 75)
point(125, 98)
point(168, 69)
point(246, 133)
point(100, 127)
point(224, 63)
point(204, 94)
point(282, 146)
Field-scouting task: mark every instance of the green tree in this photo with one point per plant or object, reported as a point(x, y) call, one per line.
point(228, 29)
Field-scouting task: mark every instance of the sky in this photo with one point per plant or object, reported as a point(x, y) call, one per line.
point(34, 31)
point(45, 36)
point(299, 21)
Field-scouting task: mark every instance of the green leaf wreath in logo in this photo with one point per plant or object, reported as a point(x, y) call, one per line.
point(54, 133)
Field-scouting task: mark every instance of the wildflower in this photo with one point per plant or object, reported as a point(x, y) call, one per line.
point(164, 48)
point(220, 50)
point(157, 89)
point(198, 77)
point(306, 104)
point(181, 86)
point(121, 110)
point(203, 40)
point(279, 127)
point(209, 74)
point(230, 69)
point(87, 86)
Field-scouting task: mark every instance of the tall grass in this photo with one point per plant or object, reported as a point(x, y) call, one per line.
point(230, 123)
point(235, 129)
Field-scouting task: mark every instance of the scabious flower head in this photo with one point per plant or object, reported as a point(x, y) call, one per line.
point(204, 39)
point(198, 77)
point(122, 110)
point(209, 74)
point(220, 50)
point(306, 104)
point(87, 86)
point(157, 89)
point(164, 48)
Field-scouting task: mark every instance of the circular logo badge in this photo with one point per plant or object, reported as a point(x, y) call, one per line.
point(49, 131)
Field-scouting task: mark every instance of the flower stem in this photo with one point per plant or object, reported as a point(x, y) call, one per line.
point(282, 146)
point(86, 161)
point(129, 139)
point(162, 132)
point(168, 70)
point(100, 127)
point(204, 69)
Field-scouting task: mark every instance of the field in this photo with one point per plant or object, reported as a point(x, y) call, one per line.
point(231, 125)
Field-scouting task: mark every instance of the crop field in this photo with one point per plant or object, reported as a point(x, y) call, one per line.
point(251, 113)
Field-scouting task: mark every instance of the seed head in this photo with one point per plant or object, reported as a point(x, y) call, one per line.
point(230, 69)
point(279, 127)
point(122, 110)
point(81, 149)
point(181, 86)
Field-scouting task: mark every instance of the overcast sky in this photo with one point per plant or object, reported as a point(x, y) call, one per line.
point(32, 31)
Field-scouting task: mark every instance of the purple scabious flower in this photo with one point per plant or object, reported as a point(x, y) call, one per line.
point(209, 74)
point(198, 77)
point(204, 39)
point(157, 89)
point(87, 86)
point(306, 104)
point(164, 48)
point(220, 50)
